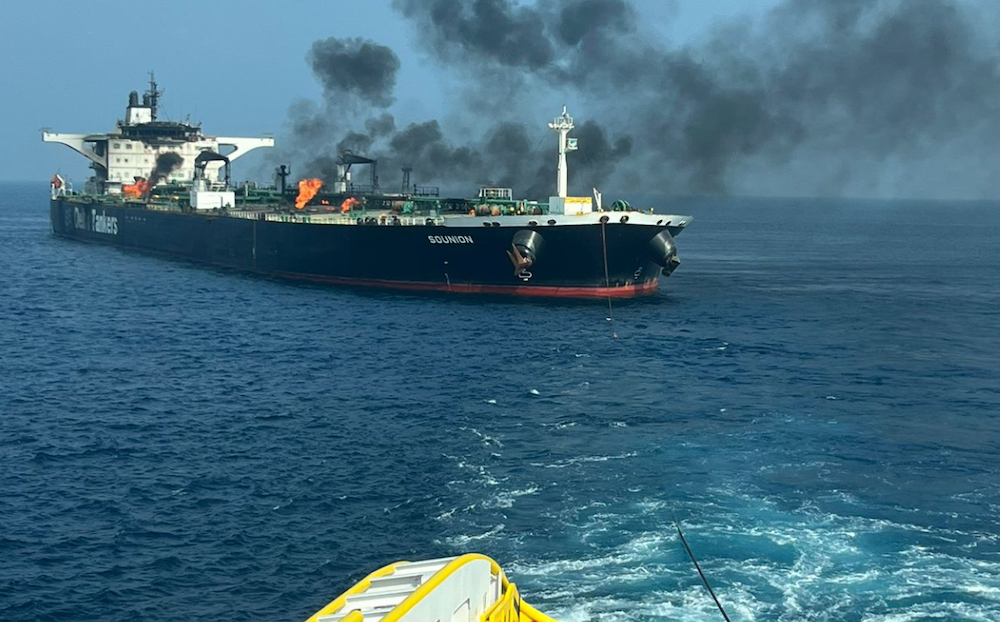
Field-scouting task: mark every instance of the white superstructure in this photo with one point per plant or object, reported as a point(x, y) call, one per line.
point(203, 196)
point(130, 151)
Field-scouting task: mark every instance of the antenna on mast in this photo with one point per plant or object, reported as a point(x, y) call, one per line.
point(153, 94)
point(563, 124)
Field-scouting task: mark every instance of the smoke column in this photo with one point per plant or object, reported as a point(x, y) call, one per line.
point(166, 163)
point(817, 97)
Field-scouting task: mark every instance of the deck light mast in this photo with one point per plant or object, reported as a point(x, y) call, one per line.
point(563, 124)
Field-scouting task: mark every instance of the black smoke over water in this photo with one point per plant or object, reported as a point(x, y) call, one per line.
point(359, 79)
point(355, 67)
point(817, 97)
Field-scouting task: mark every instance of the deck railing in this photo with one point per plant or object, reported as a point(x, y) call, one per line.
point(339, 219)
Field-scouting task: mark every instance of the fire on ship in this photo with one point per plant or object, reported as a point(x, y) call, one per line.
point(166, 188)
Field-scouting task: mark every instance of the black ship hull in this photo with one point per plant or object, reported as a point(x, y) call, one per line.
point(578, 261)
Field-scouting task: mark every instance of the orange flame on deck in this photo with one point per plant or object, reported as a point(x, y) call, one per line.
point(348, 204)
point(136, 190)
point(307, 190)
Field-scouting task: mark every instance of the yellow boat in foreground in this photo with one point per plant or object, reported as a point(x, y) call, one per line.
point(469, 588)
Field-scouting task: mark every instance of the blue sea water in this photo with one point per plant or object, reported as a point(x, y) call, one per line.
point(815, 393)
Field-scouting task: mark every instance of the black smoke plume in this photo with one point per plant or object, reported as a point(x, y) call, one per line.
point(357, 67)
point(166, 163)
point(356, 75)
point(822, 90)
point(815, 97)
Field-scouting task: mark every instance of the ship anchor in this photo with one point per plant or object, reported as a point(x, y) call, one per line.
point(521, 263)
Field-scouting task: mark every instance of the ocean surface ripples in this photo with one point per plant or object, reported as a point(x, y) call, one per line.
point(814, 394)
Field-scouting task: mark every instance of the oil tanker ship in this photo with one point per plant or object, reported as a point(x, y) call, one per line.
point(165, 187)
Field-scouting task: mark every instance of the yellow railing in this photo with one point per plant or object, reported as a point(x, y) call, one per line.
point(439, 577)
point(508, 608)
point(360, 586)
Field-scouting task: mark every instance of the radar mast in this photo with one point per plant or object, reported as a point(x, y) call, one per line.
point(153, 95)
point(563, 124)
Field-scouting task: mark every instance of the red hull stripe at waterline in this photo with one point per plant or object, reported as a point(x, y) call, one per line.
point(624, 291)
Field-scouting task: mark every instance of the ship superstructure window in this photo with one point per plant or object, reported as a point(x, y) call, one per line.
point(118, 145)
point(128, 145)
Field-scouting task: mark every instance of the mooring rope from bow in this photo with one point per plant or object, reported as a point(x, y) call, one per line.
point(607, 279)
point(701, 574)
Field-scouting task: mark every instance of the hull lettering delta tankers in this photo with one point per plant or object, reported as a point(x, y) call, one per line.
point(183, 203)
point(105, 224)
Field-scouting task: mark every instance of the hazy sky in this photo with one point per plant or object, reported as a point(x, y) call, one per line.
point(879, 98)
point(236, 67)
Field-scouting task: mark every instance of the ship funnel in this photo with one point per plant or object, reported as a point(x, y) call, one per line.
point(133, 99)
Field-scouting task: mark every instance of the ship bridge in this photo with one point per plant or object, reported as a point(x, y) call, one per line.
point(131, 151)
